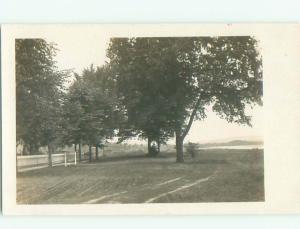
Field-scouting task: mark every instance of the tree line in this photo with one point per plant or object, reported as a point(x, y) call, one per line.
point(151, 88)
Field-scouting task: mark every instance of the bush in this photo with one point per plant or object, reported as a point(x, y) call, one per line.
point(192, 149)
point(153, 151)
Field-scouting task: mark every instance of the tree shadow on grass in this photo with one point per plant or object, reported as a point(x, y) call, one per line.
point(140, 155)
point(134, 156)
point(209, 161)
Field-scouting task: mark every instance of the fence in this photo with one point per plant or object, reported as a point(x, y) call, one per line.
point(31, 162)
point(39, 161)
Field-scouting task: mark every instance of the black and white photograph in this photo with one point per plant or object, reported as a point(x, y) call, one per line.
point(112, 116)
point(151, 120)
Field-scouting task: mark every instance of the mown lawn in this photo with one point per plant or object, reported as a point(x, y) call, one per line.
point(213, 176)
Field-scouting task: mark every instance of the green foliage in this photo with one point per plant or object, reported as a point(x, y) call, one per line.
point(140, 88)
point(167, 83)
point(90, 108)
point(151, 88)
point(39, 89)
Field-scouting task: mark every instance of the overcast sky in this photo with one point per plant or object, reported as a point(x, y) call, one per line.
point(80, 51)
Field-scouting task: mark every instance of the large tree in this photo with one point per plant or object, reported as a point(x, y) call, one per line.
point(39, 89)
point(138, 74)
point(186, 75)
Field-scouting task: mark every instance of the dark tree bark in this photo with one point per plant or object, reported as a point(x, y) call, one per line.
point(79, 153)
point(158, 146)
point(180, 135)
point(75, 148)
point(179, 147)
point(90, 153)
point(97, 152)
point(149, 146)
point(50, 151)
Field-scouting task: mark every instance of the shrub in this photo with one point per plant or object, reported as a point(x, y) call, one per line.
point(192, 149)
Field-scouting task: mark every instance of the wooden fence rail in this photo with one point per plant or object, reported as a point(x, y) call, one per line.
point(31, 162)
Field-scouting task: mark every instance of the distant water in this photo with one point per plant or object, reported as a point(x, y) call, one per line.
point(235, 147)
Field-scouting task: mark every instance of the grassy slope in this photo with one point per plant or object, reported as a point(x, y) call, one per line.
point(238, 176)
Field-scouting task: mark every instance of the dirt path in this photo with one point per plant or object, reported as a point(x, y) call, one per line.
point(150, 193)
point(178, 189)
point(93, 201)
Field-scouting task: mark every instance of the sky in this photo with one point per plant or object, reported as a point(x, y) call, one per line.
point(80, 51)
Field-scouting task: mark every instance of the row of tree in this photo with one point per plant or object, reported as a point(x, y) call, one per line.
point(151, 88)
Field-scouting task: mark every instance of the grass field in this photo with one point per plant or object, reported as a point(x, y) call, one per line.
point(218, 175)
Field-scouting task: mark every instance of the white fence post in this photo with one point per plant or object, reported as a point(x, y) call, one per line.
point(75, 157)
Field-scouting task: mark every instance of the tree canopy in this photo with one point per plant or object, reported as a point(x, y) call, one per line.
point(39, 90)
point(90, 108)
point(152, 88)
point(138, 78)
point(185, 75)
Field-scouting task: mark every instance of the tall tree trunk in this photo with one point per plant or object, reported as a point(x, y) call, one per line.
point(97, 152)
point(149, 146)
point(90, 153)
point(158, 146)
point(79, 153)
point(181, 134)
point(50, 151)
point(179, 148)
point(75, 149)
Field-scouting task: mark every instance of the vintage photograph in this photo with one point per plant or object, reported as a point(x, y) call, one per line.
point(119, 120)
